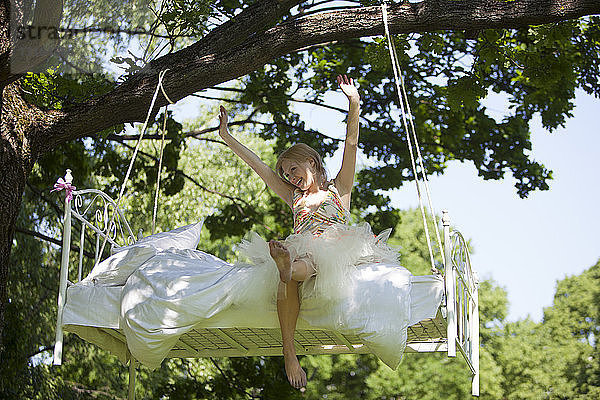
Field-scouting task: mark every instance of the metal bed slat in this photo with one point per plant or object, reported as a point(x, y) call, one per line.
point(230, 340)
point(183, 343)
point(344, 340)
point(426, 336)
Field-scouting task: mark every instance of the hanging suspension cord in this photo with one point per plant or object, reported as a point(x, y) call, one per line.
point(161, 75)
point(160, 159)
point(419, 156)
point(403, 100)
point(162, 147)
point(423, 172)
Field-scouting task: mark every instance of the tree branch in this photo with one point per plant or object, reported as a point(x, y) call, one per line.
point(195, 133)
point(228, 89)
point(79, 388)
point(235, 200)
point(230, 380)
point(52, 240)
point(59, 211)
point(326, 9)
point(223, 99)
point(295, 127)
point(220, 56)
point(43, 349)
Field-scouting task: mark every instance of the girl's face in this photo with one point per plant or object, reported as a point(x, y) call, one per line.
point(300, 174)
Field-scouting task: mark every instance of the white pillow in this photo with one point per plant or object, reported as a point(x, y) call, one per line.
point(125, 260)
point(186, 237)
point(115, 270)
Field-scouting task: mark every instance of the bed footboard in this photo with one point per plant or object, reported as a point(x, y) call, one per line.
point(462, 303)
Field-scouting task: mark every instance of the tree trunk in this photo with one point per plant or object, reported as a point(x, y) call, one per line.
point(10, 202)
point(16, 162)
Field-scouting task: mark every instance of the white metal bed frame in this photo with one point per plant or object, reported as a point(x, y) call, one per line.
point(456, 325)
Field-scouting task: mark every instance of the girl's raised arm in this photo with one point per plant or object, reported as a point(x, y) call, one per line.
point(279, 186)
point(345, 178)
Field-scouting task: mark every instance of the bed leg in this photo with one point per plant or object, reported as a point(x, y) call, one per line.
point(131, 391)
point(475, 339)
point(64, 272)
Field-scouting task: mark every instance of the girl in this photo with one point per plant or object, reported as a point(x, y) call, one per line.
point(323, 246)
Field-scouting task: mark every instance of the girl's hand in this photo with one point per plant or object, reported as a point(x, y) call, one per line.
point(223, 119)
point(347, 86)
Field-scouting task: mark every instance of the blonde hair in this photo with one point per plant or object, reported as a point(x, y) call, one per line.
point(301, 152)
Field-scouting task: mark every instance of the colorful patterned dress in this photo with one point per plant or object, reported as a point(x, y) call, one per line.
point(329, 213)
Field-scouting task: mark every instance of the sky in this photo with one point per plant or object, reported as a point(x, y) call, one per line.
point(524, 245)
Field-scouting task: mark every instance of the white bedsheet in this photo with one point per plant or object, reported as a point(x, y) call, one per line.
point(175, 291)
point(98, 306)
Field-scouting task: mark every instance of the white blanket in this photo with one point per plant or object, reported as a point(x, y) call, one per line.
point(176, 290)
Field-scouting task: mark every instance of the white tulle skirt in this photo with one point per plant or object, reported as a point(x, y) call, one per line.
point(336, 253)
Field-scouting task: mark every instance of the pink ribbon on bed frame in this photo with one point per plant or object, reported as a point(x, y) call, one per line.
point(60, 185)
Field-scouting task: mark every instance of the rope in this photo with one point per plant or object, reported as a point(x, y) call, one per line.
point(162, 146)
point(161, 76)
point(410, 131)
point(137, 146)
point(419, 157)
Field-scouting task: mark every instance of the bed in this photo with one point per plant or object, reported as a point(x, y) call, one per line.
point(442, 314)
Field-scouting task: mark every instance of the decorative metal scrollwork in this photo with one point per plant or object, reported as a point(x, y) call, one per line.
point(462, 260)
point(99, 212)
point(466, 294)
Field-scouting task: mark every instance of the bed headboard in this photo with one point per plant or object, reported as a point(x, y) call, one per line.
point(95, 217)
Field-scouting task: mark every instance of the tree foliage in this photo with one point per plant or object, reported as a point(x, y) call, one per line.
point(448, 76)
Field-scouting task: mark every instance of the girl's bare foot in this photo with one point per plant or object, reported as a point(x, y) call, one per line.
point(294, 371)
point(281, 255)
